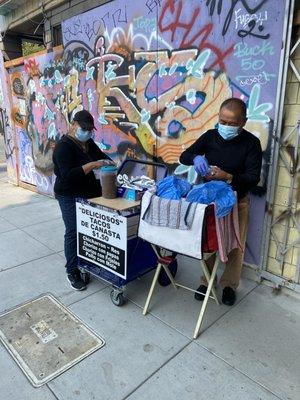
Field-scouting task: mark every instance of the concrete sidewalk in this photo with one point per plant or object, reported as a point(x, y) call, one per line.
point(247, 352)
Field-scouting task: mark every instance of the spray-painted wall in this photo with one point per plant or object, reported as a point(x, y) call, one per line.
point(6, 125)
point(153, 73)
point(38, 118)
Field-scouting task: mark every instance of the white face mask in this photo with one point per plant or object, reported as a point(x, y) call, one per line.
point(228, 132)
point(82, 135)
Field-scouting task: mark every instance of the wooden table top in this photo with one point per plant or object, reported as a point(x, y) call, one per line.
point(118, 203)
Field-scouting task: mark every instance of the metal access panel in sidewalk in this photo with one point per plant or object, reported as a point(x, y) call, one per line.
point(45, 338)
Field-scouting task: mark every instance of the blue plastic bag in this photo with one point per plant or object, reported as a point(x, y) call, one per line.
point(217, 192)
point(173, 188)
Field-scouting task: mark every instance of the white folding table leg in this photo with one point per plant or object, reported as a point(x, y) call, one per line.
point(209, 287)
point(153, 284)
point(207, 276)
point(163, 253)
point(170, 276)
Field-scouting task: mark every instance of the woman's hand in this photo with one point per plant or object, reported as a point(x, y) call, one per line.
point(96, 164)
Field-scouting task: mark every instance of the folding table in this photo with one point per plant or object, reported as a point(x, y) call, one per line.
point(164, 261)
point(160, 246)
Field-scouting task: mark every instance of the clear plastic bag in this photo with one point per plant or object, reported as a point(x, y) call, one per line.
point(217, 192)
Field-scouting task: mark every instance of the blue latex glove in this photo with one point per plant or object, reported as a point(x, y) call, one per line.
point(201, 165)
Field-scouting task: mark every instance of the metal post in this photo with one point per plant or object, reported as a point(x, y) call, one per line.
point(284, 62)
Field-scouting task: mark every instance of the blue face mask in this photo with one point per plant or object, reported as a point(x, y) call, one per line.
point(228, 132)
point(82, 135)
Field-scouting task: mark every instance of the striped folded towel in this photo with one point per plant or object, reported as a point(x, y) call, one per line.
point(176, 214)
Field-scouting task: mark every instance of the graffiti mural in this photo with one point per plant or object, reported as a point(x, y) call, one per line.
point(153, 73)
point(161, 73)
point(6, 124)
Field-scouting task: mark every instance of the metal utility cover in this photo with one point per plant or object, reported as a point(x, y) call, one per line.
point(45, 338)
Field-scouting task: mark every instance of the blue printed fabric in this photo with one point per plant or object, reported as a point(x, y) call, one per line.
point(217, 192)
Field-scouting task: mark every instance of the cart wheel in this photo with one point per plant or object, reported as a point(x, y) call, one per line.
point(163, 279)
point(86, 277)
point(117, 298)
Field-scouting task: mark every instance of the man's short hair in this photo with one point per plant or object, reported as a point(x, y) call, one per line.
point(234, 104)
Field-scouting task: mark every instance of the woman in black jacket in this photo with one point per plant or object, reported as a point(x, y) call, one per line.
point(74, 157)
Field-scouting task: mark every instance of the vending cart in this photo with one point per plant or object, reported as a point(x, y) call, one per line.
point(108, 247)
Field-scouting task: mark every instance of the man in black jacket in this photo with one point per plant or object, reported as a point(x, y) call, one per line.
point(231, 154)
point(74, 157)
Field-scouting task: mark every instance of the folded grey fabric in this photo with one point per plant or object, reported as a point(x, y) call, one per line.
point(176, 214)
